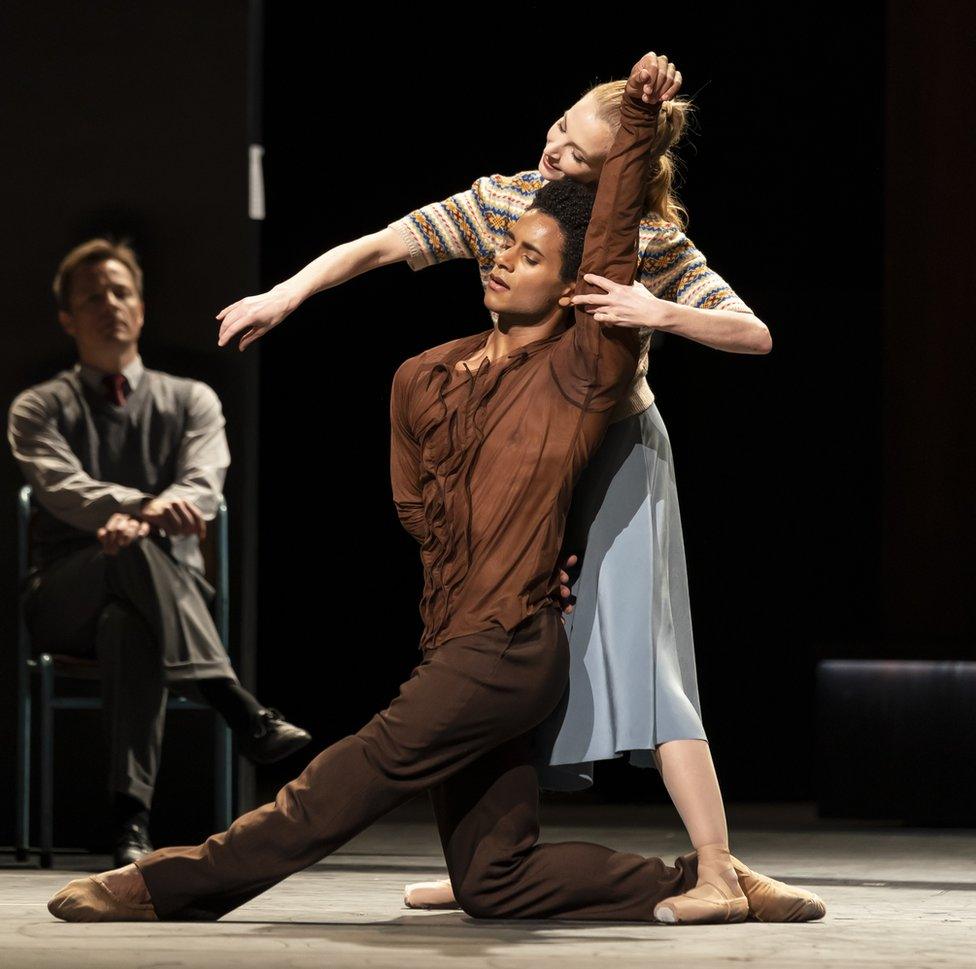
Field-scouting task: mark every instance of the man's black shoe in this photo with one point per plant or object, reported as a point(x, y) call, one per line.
point(131, 842)
point(269, 737)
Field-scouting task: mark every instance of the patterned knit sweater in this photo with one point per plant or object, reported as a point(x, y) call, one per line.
point(473, 225)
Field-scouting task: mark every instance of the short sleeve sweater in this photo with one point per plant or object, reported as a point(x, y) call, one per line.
point(474, 223)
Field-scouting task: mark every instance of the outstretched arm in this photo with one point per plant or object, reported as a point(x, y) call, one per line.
point(253, 316)
point(594, 366)
point(466, 225)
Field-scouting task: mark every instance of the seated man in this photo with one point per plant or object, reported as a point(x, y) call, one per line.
point(126, 465)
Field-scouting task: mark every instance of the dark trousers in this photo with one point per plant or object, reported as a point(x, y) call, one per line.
point(146, 617)
point(460, 728)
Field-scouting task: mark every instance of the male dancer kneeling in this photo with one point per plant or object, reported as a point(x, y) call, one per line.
point(483, 462)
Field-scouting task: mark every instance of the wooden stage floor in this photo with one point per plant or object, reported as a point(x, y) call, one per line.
point(896, 897)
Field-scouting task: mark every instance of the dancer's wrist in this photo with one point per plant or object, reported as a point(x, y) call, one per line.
point(293, 292)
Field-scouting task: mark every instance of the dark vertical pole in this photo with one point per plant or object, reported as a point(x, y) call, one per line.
point(246, 516)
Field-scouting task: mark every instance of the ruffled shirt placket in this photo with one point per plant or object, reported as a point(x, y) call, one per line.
point(449, 521)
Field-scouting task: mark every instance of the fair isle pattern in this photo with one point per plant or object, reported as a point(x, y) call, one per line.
point(473, 224)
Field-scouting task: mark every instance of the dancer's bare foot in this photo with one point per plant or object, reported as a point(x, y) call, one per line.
point(717, 897)
point(111, 896)
point(436, 894)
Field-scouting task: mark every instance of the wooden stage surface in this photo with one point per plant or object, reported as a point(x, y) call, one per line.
point(896, 897)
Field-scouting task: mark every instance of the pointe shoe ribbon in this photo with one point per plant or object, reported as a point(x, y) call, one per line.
point(436, 894)
point(88, 900)
point(713, 899)
point(775, 901)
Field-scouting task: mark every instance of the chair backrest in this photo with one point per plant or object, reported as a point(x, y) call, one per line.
point(213, 548)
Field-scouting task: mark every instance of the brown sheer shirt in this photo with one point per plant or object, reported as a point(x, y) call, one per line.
point(483, 464)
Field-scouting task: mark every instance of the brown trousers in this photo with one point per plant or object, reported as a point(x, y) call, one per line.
point(460, 728)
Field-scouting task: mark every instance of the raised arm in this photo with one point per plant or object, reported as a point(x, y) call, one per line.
point(594, 366)
point(58, 480)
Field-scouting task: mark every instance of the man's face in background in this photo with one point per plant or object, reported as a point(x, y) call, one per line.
point(105, 310)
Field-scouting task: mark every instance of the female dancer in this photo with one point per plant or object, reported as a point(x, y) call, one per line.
point(625, 643)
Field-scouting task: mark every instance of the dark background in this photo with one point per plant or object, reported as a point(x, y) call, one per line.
point(825, 488)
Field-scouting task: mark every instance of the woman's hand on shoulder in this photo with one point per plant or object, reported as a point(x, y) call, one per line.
point(255, 315)
point(634, 305)
point(654, 78)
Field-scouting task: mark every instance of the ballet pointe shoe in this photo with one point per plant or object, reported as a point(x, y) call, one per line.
point(437, 894)
point(774, 901)
point(89, 900)
point(716, 897)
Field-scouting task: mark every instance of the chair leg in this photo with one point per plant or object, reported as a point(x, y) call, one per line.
point(223, 774)
point(47, 760)
point(22, 834)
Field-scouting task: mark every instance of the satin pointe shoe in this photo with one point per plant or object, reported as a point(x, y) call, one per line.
point(438, 894)
point(713, 899)
point(774, 901)
point(88, 900)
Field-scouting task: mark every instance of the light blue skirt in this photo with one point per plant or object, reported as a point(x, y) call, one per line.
point(632, 681)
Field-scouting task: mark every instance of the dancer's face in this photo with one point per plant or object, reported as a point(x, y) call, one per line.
point(104, 307)
point(577, 144)
point(528, 264)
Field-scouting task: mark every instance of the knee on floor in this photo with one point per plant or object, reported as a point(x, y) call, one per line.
point(479, 897)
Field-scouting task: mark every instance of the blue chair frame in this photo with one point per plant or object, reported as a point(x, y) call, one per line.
point(46, 669)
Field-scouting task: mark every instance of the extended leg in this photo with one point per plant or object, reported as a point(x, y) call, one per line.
point(465, 697)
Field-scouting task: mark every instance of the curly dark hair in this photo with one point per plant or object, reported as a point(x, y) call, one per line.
point(571, 205)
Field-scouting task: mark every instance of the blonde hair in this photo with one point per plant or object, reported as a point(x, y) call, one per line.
point(88, 253)
point(661, 199)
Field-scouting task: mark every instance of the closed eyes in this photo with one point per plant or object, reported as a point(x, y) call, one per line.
point(562, 128)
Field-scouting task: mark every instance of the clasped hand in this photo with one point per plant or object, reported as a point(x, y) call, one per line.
point(121, 530)
point(621, 305)
point(171, 517)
